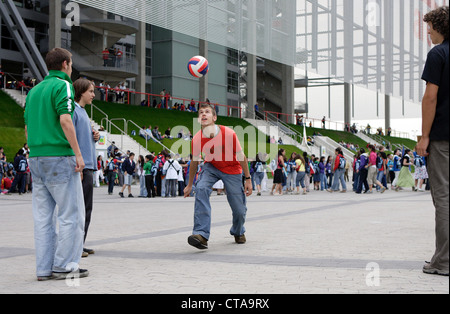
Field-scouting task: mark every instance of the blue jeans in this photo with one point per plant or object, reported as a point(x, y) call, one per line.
point(55, 183)
point(323, 182)
point(300, 180)
point(339, 176)
point(209, 175)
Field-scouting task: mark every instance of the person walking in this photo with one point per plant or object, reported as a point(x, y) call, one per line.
point(86, 137)
point(405, 178)
point(224, 160)
point(372, 170)
point(435, 133)
point(171, 169)
point(339, 170)
point(128, 168)
point(149, 176)
point(55, 163)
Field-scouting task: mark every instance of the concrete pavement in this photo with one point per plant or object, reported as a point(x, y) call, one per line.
point(296, 244)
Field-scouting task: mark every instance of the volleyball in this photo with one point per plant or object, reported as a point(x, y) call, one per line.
point(198, 66)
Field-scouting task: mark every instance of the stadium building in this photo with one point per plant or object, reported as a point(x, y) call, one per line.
point(266, 52)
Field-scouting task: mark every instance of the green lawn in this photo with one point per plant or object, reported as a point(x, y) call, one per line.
point(12, 126)
point(337, 136)
point(144, 116)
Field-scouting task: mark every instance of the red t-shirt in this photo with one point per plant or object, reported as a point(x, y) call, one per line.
point(219, 151)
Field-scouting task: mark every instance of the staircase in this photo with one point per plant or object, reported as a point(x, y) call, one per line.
point(18, 96)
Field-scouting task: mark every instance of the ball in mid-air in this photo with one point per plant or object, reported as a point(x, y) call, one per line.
point(198, 66)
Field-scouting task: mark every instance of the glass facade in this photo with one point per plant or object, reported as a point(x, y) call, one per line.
point(377, 44)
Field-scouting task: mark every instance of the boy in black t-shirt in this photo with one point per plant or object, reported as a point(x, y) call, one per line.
point(435, 133)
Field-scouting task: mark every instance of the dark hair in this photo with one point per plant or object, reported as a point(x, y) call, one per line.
point(81, 86)
point(56, 57)
point(439, 20)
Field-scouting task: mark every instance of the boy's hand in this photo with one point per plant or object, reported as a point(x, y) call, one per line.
point(248, 188)
point(187, 191)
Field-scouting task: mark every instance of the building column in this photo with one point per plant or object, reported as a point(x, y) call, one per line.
point(252, 85)
point(203, 88)
point(287, 91)
point(347, 104)
point(54, 30)
point(387, 112)
point(140, 56)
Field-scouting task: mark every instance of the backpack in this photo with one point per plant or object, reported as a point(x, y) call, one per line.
point(312, 168)
point(22, 165)
point(342, 162)
point(273, 165)
point(171, 165)
point(111, 165)
point(259, 167)
point(379, 162)
point(418, 162)
point(157, 165)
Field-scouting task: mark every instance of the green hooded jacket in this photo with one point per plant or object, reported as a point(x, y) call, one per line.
point(45, 103)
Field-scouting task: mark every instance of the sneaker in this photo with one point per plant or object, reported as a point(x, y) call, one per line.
point(198, 241)
point(330, 190)
point(427, 269)
point(89, 251)
point(80, 273)
point(44, 278)
point(383, 190)
point(130, 195)
point(84, 254)
point(240, 239)
point(121, 194)
point(259, 194)
point(343, 191)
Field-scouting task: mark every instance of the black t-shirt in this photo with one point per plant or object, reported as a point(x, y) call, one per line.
point(437, 72)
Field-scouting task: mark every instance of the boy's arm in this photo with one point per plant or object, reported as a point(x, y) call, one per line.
point(429, 103)
point(244, 164)
point(192, 172)
point(69, 132)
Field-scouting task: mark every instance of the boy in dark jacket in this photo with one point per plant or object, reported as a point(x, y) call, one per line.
point(128, 168)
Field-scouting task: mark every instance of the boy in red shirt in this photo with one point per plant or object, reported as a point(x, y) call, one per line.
point(224, 160)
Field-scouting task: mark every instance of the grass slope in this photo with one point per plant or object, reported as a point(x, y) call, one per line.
point(144, 116)
point(12, 126)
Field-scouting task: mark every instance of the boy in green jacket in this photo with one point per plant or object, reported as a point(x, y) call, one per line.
point(55, 163)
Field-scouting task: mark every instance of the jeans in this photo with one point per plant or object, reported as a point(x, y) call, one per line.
point(323, 182)
point(171, 187)
point(88, 193)
point(438, 169)
point(339, 176)
point(362, 181)
point(56, 184)
point(235, 196)
point(300, 180)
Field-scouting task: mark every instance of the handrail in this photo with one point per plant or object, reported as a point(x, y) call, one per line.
point(119, 119)
point(122, 133)
point(152, 137)
point(101, 111)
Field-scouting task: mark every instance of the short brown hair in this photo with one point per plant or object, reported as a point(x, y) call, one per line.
point(208, 105)
point(56, 57)
point(81, 86)
point(439, 20)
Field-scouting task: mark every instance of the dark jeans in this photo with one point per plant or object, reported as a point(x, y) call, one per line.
point(88, 193)
point(150, 186)
point(111, 178)
point(362, 180)
point(19, 181)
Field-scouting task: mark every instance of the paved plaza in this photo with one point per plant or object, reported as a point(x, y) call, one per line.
point(319, 243)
